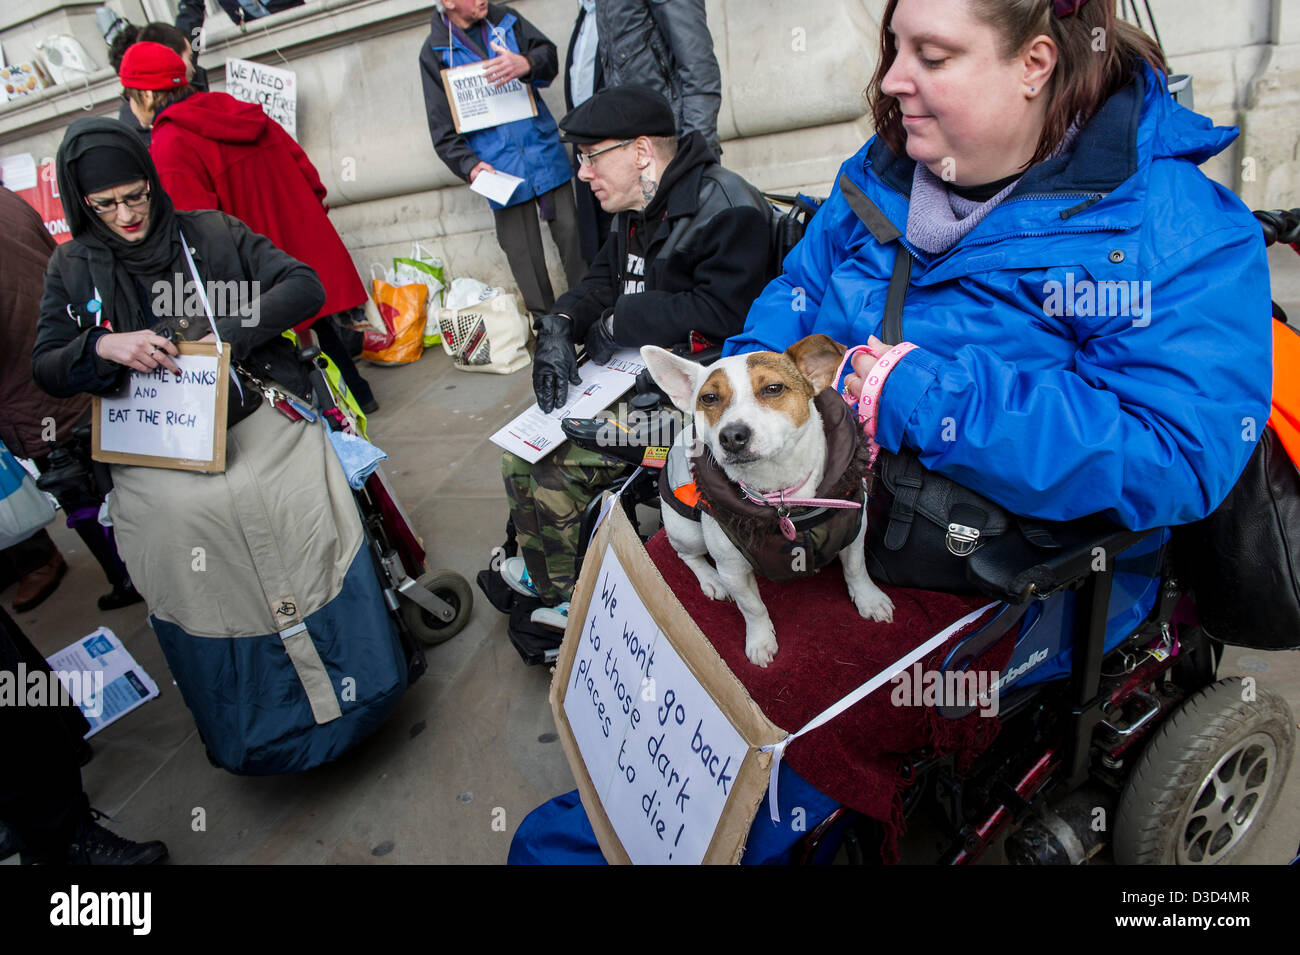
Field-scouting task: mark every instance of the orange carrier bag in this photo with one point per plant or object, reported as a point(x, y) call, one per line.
point(402, 309)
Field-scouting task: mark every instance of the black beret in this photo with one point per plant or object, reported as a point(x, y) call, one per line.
point(623, 112)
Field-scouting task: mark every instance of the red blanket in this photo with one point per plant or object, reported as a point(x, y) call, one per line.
point(826, 651)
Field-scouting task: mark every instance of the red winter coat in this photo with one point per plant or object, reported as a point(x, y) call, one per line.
point(215, 152)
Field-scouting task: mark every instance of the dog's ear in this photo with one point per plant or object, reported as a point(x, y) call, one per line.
point(679, 377)
point(817, 357)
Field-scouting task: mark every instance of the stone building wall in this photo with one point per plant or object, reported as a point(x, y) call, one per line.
point(792, 107)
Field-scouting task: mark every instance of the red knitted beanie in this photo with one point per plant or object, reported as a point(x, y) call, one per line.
point(151, 66)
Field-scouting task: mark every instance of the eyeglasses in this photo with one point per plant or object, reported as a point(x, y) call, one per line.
point(136, 200)
point(586, 159)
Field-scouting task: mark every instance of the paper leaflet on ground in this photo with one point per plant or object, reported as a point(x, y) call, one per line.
point(533, 435)
point(497, 186)
point(101, 656)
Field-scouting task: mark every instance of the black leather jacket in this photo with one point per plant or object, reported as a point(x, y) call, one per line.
point(707, 259)
point(665, 45)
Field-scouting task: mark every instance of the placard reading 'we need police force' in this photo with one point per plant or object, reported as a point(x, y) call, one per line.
point(665, 774)
point(166, 420)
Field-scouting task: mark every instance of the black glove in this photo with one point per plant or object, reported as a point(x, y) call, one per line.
point(555, 364)
point(600, 342)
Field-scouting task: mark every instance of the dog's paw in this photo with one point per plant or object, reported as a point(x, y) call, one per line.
point(761, 647)
point(712, 586)
point(874, 604)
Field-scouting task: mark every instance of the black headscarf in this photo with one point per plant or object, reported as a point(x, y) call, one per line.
point(116, 264)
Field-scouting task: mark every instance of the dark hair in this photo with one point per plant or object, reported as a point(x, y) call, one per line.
point(167, 35)
point(1084, 78)
point(162, 98)
point(117, 49)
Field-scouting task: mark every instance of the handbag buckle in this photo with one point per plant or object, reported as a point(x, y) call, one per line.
point(962, 540)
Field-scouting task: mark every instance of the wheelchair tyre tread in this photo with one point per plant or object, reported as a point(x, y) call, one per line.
point(1158, 803)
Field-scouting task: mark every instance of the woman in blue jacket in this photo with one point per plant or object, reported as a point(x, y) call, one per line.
point(1091, 313)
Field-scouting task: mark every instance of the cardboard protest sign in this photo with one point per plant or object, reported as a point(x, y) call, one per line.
point(477, 104)
point(163, 421)
point(661, 736)
point(274, 89)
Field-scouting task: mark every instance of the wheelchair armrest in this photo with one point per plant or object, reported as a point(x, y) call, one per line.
point(1012, 569)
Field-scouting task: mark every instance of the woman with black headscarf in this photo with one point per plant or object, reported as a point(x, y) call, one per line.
point(258, 585)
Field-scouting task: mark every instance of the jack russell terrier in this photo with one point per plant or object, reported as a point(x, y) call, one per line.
point(780, 472)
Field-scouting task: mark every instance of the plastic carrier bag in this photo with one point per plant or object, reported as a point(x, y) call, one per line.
point(402, 309)
point(23, 509)
point(427, 270)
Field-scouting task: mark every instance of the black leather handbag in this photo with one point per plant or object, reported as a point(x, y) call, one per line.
point(1243, 561)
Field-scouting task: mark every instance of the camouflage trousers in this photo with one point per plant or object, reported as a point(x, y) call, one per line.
point(547, 500)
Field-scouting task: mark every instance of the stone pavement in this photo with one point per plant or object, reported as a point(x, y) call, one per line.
point(473, 741)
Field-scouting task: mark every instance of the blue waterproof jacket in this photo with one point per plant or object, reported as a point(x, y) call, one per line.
point(1037, 381)
point(528, 148)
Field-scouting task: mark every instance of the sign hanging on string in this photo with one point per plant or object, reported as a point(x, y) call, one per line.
point(163, 420)
point(662, 738)
point(477, 104)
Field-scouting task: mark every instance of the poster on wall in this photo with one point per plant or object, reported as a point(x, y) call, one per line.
point(274, 89)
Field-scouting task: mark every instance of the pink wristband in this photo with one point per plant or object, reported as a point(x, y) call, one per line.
point(869, 399)
point(868, 403)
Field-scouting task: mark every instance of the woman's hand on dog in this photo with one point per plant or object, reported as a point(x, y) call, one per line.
point(142, 350)
point(863, 362)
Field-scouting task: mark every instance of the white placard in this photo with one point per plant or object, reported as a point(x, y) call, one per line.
point(162, 415)
point(534, 434)
point(477, 104)
point(274, 89)
point(662, 755)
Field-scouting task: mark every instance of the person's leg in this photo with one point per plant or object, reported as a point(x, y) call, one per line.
point(520, 238)
point(42, 568)
point(19, 560)
point(77, 491)
point(41, 798)
point(564, 230)
point(332, 345)
point(547, 500)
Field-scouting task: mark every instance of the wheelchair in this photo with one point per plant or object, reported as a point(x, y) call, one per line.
point(428, 608)
point(1117, 733)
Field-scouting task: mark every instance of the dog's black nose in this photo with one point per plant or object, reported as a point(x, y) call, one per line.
point(734, 437)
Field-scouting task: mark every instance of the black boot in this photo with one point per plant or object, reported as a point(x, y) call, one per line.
point(95, 845)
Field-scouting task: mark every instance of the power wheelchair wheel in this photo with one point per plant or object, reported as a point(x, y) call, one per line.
point(446, 585)
point(1208, 779)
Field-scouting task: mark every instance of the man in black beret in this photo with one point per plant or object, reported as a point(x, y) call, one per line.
point(688, 251)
